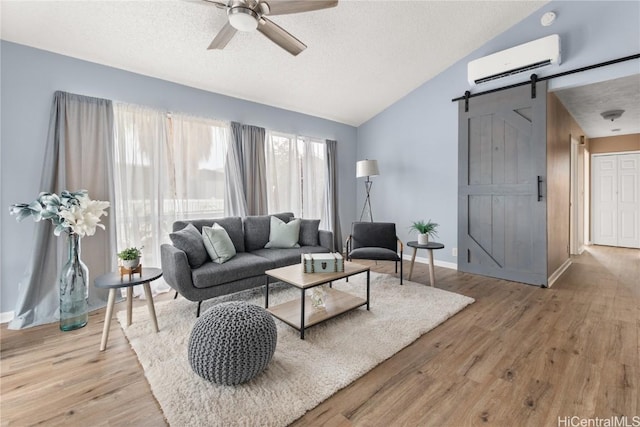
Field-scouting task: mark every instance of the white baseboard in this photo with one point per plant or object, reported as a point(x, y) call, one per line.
point(422, 260)
point(556, 274)
point(6, 317)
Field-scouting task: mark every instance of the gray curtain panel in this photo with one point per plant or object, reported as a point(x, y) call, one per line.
point(79, 155)
point(235, 201)
point(254, 169)
point(331, 215)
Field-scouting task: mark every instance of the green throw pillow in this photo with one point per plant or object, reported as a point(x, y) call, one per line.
point(218, 243)
point(282, 234)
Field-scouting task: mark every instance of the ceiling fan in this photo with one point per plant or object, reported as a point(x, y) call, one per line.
point(250, 15)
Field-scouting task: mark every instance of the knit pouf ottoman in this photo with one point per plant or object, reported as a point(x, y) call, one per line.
point(232, 342)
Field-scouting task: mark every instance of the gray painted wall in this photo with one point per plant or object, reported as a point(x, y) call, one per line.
point(29, 78)
point(416, 140)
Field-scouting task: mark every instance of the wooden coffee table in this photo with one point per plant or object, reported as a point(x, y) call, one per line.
point(300, 314)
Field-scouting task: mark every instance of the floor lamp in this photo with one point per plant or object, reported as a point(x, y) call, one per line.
point(367, 168)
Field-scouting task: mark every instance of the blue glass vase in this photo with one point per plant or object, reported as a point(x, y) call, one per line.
point(74, 290)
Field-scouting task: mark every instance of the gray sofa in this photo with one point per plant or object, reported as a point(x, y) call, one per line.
point(181, 265)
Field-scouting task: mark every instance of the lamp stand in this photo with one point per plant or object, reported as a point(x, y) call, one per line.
point(367, 200)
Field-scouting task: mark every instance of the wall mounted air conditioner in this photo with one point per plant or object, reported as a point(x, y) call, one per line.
point(518, 59)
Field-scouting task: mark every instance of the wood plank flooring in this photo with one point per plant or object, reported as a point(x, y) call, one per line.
point(519, 356)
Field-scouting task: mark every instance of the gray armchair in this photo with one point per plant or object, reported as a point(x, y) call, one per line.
point(375, 241)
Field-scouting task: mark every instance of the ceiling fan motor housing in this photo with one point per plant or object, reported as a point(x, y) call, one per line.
point(242, 18)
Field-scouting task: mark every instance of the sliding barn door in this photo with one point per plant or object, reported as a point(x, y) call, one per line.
point(502, 226)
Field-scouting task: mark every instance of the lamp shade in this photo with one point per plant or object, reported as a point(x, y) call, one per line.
point(367, 168)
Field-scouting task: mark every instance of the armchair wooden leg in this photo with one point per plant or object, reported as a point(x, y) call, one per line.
point(400, 267)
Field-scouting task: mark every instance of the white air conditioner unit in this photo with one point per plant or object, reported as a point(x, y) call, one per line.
point(518, 59)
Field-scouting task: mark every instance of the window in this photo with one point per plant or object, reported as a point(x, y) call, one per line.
point(296, 175)
point(167, 167)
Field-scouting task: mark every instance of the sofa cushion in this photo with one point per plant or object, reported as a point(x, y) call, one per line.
point(190, 241)
point(284, 257)
point(283, 234)
point(218, 243)
point(233, 226)
point(257, 228)
point(241, 266)
point(309, 232)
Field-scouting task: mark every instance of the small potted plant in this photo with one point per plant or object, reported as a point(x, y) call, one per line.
point(425, 230)
point(130, 257)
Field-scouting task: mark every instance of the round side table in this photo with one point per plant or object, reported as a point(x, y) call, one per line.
point(114, 281)
point(429, 247)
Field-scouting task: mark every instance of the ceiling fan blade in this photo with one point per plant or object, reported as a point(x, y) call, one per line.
point(220, 4)
point(280, 36)
point(222, 38)
point(285, 7)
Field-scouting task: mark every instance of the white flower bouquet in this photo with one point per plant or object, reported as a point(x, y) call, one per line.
point(70, 212)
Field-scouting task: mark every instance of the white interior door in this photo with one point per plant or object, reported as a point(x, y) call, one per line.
point(580, 234)
point(616, 200)
point(628, 200)
point(576, 228)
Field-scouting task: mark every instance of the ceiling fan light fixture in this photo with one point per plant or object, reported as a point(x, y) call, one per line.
point(243, 18)
point(612, 114)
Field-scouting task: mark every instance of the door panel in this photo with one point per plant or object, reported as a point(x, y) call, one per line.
point(502, 151)
point(629, 200)
point(605, 217)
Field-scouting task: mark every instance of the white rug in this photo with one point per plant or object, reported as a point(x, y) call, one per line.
point(302, 373)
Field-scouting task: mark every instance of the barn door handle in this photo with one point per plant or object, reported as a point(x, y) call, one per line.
point(539, 188)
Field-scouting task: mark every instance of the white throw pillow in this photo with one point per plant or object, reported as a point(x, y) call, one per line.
point(282, 234)
point(218, 243)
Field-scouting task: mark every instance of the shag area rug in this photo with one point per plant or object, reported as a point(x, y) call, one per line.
point(302, 373)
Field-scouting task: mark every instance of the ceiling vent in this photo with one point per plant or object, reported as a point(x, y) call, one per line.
point(528, 56)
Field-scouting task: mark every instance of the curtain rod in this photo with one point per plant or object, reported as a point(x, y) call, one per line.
point(468, 95)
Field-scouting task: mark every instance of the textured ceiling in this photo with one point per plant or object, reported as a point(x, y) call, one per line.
point(362, 56)
point(585, 103)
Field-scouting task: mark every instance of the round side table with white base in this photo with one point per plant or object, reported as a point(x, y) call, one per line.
point(114, 281)
point(430, 246)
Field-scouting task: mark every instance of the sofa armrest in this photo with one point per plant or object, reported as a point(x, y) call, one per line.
point(176, 270)
point(325, 238)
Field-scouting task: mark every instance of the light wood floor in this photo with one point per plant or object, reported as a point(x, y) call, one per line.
point(520, 355)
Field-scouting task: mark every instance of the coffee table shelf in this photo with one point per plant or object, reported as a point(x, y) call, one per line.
point(336, 302)
point(300, 313)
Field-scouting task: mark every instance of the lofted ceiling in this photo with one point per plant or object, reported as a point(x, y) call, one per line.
point(362, 56)
point(586, 103)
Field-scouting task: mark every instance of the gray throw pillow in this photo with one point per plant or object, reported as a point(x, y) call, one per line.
point(283, 235)
point(309, 232)
point(190, 241)
point(218, 243)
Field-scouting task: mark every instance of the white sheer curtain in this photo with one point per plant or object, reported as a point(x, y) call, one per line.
point(196, 168)
point(314, 180)
point(296, 175)
point(141, 137)
point(166, 168)
point(284, 176)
